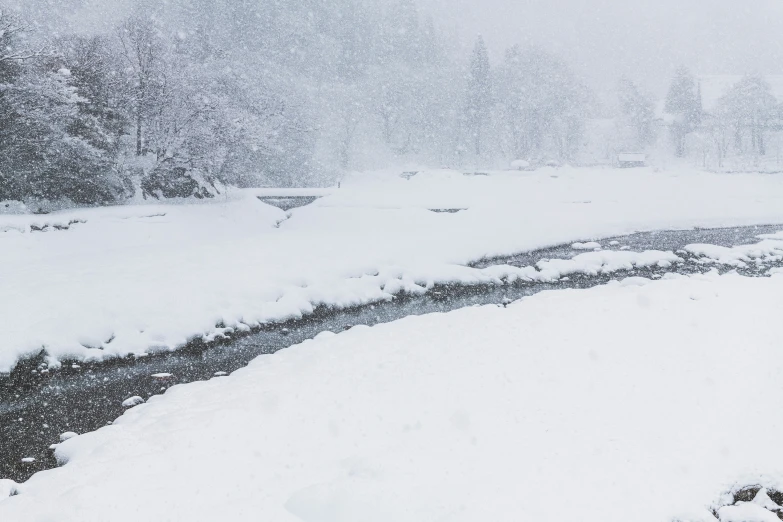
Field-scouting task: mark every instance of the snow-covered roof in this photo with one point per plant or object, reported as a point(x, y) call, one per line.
point(631, 156)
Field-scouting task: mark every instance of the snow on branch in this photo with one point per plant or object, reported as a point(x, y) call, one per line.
point(10, 28)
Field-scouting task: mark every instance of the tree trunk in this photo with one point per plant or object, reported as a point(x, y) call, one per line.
point(679, 140)
point(141, 98)
point(138, 132)
point(387, 131)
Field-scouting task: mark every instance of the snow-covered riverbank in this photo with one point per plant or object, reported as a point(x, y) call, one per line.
point(643, 401)
point(104, 282)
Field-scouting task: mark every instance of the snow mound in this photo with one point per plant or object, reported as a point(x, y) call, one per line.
point(95, 284)
point(739, 256)
point(7, 488)
point(590, 245)
point(604, 262)
point(13, 207)
point(746, 512)
point(132, 401)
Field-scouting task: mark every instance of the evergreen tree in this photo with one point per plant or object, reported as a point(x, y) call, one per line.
point(682, 96)
point(42, 156)
point(637, 110)
point(101, 120)
point(684, 104)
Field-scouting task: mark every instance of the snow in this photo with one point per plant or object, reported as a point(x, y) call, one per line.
point(603, 262)
point(762, 499)
point(271, 192)
point(739, 256)
point(632, 157)
point(68, 435)
point(7, 488)
point(12, 207)
point(132, 401)
point(619, 402)
point(590, 245)
point(746, 512)
point(91, 284)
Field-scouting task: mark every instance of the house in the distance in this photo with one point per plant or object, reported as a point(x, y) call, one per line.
point(631, 159)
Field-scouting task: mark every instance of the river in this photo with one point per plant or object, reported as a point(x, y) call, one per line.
point(35, 407)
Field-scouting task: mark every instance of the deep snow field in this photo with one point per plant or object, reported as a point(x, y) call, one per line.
point(637, 400)
point(106, 282)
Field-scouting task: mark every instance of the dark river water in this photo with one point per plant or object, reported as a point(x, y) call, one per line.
point(35, 407)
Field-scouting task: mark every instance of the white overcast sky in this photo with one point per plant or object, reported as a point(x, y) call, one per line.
point(601, 39)
point(644, 39)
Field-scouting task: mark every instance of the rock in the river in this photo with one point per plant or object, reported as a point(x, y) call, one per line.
point(132, 401)
point(7, 488)
point(68, 435)
point(590, 245)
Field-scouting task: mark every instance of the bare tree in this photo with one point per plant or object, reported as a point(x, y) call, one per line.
point(143, 52)
point(11, 28)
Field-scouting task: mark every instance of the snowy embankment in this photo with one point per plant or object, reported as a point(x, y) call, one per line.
point(96, 283)
point(637, 402)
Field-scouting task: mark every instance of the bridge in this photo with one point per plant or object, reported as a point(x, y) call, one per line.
point(289, 198)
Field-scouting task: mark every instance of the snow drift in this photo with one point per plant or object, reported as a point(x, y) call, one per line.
point(643, 401)
point(96, 283)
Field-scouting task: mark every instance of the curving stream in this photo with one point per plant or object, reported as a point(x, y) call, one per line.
point(35, 407)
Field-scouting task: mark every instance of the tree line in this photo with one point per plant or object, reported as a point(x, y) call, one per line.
point(737, 123)
point(184, 97)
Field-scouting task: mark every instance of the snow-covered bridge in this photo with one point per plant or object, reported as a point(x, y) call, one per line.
point(288, 198)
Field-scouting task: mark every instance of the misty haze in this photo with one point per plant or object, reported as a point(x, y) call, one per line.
point(391, 260)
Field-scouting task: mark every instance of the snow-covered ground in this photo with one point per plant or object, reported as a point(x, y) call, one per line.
point(95, 283)
point(643, 401)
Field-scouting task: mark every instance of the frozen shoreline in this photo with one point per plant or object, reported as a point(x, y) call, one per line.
point(503, 411)
point(130, 280)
